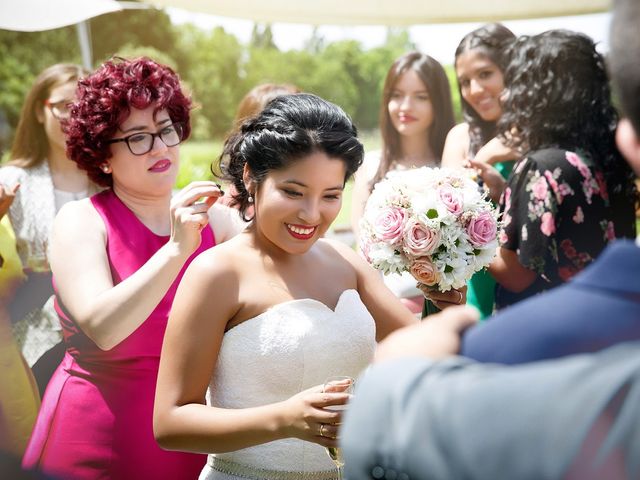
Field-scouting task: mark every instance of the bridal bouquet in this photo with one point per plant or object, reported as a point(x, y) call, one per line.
point(432, 222)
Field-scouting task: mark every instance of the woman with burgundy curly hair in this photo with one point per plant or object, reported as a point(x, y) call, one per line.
point(117, 258)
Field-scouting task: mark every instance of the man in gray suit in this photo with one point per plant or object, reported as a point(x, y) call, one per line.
point(420, 412)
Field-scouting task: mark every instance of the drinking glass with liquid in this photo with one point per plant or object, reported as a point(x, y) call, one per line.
point(338, 384)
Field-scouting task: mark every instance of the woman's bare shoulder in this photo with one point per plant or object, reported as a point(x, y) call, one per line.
point(79, 214)
point(338, 251)
point(459, 132)
point(224, 258)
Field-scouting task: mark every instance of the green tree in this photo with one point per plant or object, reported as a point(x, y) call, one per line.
point(209, 63)
point(23, 55)
point(136, 51)
point(316, 42)
point(455, 93)
point(399, 39)
point(262, 36)
point(145, 27)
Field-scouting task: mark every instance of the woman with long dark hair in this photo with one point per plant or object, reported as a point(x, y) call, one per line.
point(480, 61)
point(415, 115)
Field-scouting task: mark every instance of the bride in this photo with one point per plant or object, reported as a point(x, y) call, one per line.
point(259, 322)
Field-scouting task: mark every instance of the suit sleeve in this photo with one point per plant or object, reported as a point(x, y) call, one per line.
point(413, 418)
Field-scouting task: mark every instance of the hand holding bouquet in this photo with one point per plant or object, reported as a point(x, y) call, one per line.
point(432, 222)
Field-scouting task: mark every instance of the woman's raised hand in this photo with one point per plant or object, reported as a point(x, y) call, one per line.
point(307, 416)
point(493, 180)
point(7, 195)
point(189, 215)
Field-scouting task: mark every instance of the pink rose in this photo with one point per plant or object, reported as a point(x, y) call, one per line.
point(419, 239)
point(389, 224)
point(577, 162)
point(506, 198)
point(540, 189)
point(482, 229)
point(579, 216)
point(547, 224)
point(503, 237)
point(424, 271)
point(602, 184)
point(552, 181)
point(365, 248)
point(451, 198)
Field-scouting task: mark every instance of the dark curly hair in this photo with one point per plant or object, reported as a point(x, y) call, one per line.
point(558, 96)
point(491, 41)
point(105, 99)
point(290, 128)
point(436, 82)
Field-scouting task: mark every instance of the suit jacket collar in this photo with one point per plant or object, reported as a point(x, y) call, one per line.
point(617, 268)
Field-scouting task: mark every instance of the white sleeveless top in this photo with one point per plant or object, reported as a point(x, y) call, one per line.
point(291, 347)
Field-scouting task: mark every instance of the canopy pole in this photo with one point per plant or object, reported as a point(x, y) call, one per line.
point(84, 38)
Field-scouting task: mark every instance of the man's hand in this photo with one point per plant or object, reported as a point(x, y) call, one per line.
point(436, 337)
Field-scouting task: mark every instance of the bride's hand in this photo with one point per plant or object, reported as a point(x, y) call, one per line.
point(442, 300)
point(308, 418)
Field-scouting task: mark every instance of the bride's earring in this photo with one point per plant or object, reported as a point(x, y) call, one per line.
point(250, 199)
point(105, 168)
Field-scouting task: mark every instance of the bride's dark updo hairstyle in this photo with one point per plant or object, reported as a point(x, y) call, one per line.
point(290, 128)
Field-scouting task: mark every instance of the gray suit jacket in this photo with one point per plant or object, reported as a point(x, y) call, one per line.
point(575, 418)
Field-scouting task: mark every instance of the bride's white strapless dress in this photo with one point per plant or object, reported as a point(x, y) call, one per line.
point(292, 346)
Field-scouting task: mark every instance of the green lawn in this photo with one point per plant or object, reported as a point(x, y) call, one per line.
point(196, 158)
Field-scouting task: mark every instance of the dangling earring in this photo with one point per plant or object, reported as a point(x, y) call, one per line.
point(250, 199)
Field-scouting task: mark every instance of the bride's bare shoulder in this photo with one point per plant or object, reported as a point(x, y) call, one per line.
point(226, 256)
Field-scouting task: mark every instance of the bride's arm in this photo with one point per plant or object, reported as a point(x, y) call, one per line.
point(181, 421)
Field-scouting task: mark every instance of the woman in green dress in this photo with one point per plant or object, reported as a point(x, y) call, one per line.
point(480, 60)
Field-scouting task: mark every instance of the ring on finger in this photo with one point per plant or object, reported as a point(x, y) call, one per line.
point(459, 299)
point(322, 425)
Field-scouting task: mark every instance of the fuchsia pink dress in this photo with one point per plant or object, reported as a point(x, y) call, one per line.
point(96, 416)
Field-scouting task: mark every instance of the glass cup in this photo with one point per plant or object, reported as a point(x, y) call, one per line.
point(338, 384)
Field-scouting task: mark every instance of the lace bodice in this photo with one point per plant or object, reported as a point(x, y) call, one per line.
point(291, 347)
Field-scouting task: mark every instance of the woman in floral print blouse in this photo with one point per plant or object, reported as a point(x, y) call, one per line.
point(571, 193)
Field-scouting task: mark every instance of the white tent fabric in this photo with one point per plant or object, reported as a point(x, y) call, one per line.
point(386, 12)
point(38, 15)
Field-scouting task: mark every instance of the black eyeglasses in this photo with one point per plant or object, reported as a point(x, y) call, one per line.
point(141, 143)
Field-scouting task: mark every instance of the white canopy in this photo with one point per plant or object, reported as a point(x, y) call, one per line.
point(38, 15)
point(386, 12)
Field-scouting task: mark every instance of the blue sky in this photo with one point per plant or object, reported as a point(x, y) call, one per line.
point(438, 40)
